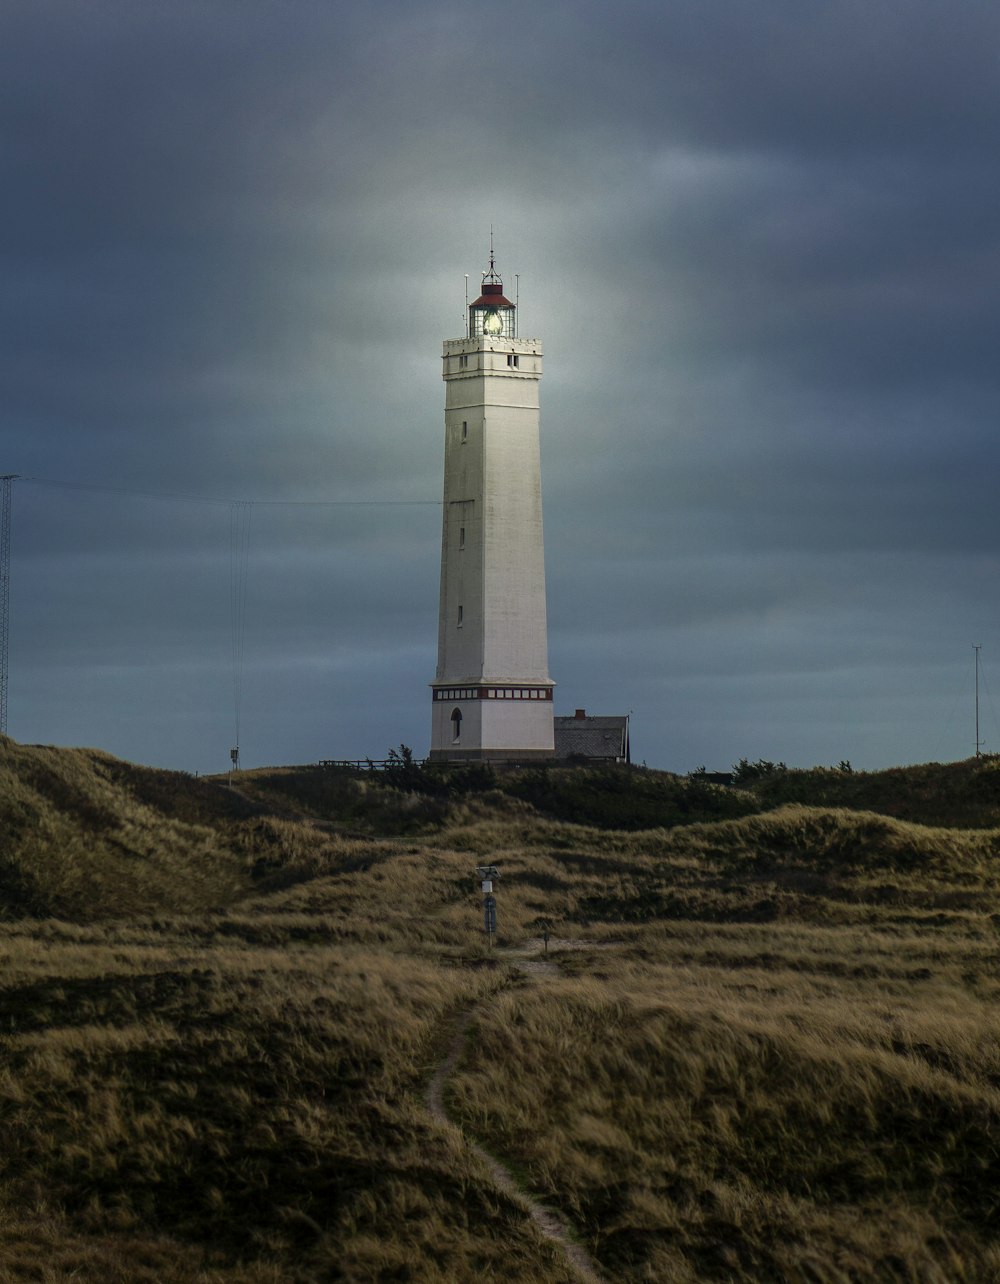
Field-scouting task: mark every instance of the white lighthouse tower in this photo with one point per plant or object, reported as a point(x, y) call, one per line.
point(492, 695)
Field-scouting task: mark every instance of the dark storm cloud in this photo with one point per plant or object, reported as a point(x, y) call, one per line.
point(760, 244)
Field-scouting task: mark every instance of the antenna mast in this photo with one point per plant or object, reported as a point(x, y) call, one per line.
point(240, 511)
point(977, 647)
point(5, 505)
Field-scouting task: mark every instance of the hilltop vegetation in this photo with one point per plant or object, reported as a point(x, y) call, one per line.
point(763, 1044)
point(963, 795)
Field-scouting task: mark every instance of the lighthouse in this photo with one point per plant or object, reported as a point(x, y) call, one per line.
point(492, 695)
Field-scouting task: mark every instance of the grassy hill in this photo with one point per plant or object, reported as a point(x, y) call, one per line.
point(963, 795)
point(762, 1045)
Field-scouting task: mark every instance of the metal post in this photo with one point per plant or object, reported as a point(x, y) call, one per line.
point(487, 875)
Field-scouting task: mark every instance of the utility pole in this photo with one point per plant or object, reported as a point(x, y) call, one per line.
point(5, 504)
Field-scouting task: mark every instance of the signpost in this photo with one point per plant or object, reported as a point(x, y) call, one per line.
point(487, 875)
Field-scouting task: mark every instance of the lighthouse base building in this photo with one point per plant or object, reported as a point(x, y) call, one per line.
point(492, 695)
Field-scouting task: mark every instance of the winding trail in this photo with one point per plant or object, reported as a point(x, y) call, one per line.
point(546, 1219)
point(528, 959)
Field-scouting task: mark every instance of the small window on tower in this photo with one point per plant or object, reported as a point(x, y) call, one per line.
point(460, 613)
point(512, 361)
point(461, 537)
point(463, 361)
point(456, 726)
point(465, 430)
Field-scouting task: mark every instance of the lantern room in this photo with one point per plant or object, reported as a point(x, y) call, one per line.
point(492, 315)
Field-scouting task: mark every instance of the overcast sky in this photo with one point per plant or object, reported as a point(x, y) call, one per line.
point(760, 244)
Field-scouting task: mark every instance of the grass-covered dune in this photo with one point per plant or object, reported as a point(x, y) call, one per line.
point(959, 794)
point(762, 1046)
point(84, 835)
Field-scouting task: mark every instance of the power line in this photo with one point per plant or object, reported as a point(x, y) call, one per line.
point(187, 498)
point(240, 511)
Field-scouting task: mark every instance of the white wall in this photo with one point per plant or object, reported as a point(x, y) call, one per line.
point(492, 492)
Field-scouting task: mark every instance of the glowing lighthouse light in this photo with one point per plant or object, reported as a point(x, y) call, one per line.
point(492, 314)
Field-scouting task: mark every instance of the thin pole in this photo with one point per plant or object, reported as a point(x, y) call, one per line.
point(5, 507)
point(977, 647)
point(239, 543)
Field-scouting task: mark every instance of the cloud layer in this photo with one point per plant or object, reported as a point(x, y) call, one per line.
point(760, 245)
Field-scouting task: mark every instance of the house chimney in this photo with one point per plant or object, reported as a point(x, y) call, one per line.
point(581, 714)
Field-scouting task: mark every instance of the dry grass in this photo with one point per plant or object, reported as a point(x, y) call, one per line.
point(955, 794)
point(725, 1104)
point(260, 1105)
point(79, 841)
point(772, 1054)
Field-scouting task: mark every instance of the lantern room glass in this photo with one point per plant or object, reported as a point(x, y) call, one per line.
point(495, 323)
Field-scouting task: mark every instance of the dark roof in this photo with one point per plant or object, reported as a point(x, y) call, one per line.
point(491, 301)
point(592, 737)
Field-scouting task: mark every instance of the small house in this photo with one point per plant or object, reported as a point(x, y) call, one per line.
point(599, 739)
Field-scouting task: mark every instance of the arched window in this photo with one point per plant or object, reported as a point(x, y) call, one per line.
point(456, 726)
